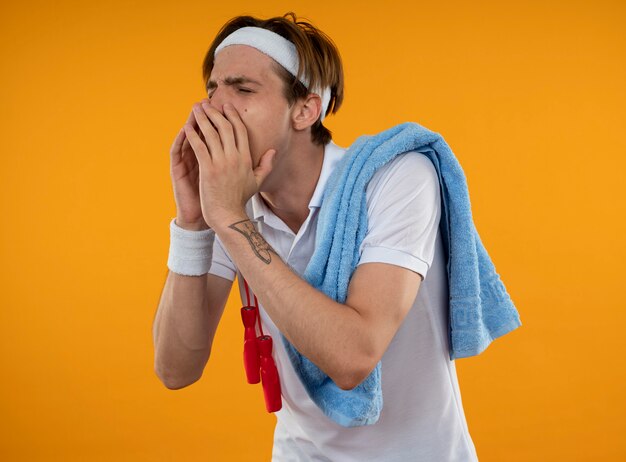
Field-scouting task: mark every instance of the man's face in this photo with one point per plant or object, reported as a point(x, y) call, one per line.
point(243, 77)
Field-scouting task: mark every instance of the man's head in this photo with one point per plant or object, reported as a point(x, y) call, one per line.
point(271, 101)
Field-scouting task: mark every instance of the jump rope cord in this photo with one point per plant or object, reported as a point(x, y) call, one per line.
point(256, 304)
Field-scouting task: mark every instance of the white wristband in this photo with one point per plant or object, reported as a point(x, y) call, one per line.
point(190, 251)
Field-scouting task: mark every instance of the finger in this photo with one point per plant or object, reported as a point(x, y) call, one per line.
point(191, 120)
point(224, 128)
point(241, 132)
point(265, 166)
point(175, 149)
point(199, 148)
point(211, 136)
point(186, 144)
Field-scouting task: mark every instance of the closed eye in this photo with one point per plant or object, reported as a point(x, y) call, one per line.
point(242, 90)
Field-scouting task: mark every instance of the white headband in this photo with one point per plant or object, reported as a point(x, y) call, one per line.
point(276, 47)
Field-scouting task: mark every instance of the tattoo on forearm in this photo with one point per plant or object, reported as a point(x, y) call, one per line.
point(258, 243)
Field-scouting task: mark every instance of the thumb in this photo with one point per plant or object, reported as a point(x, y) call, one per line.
point(265, 166)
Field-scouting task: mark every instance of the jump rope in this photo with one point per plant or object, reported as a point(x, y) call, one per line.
point(257, 354)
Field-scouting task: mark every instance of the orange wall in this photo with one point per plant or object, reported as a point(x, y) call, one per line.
point(529, 95)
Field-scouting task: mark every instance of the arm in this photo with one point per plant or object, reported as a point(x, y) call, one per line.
point(185, 324)
point(342, 340)
point(345, 341)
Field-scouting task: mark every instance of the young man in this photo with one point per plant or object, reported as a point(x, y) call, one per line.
point(249, 170)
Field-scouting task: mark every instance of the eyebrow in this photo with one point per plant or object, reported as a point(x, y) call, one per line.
point(233, 81)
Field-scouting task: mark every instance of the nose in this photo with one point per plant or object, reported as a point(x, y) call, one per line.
point(218, 98)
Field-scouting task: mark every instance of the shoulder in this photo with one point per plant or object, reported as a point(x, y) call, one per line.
point(403, 213)
point(408, 164)
point(407, 172)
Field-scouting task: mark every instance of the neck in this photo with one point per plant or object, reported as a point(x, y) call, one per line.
point(288, 189)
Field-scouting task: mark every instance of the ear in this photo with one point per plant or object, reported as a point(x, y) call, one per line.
point(306, 111)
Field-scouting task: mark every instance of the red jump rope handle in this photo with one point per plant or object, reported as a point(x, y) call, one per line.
point(251, 359)
point(269, 375)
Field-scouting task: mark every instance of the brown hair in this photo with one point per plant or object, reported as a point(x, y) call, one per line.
point(319, 61)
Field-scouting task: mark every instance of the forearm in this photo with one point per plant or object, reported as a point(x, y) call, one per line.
point(182, 341)
point(330, 334)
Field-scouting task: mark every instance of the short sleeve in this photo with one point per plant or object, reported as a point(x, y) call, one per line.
point(404, 208)
point(221, 263)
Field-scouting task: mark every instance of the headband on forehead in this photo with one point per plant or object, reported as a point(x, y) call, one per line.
point(276, 47)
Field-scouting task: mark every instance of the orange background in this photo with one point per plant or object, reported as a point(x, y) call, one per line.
point(531, 98)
